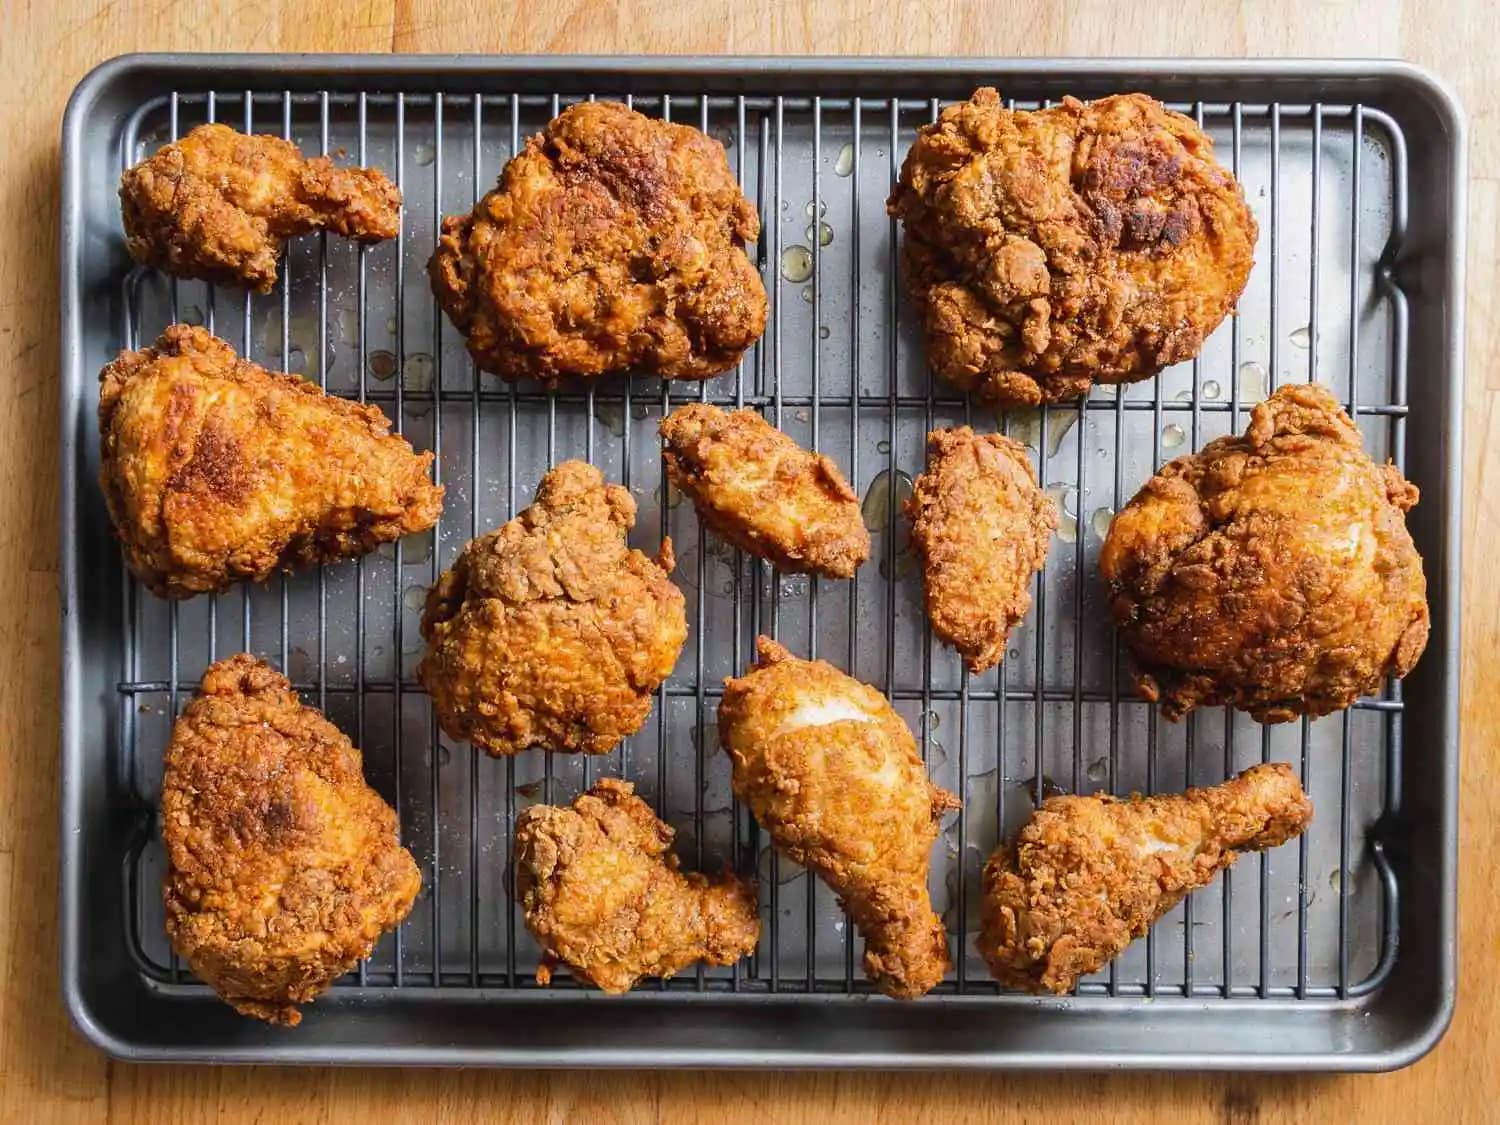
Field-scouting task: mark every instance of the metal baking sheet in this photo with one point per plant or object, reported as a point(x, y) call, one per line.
point(1336, 952)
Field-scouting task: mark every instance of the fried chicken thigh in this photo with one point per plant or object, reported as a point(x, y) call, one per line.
point(613, 243)
point(550, 631)
point(1088, 242)
point(1086, 876)
point(284, 867)
point(982, 528)
point(603, 895)
point(1272, 571)
point(832, 773)
point(761, 491)
point(217, 470)
point(218, 204)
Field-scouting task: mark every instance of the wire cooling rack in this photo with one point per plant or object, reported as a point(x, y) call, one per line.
point(840, 370)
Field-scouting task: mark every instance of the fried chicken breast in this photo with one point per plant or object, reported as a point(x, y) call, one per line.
point(831, 772)
point(613, 243)
point(759, 490)
point(216, 470)
point(602, 893)
point(283, 865)
point(218, 204)
point(1273, 571)
point(1086, 876)
point(1089, 242)
point(982, 528)
point(550, 631)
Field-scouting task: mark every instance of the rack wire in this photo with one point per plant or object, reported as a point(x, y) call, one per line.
point(840, 369)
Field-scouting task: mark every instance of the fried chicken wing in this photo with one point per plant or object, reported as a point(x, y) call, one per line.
point(1086, 876)
point(218, 204)
point(550, 631)
point(217, 470)
point(1272, 571)
point(761, 491)
point(982, 528)
point(284, 867)
point(612, 243)
point(832, 773)
point(603, 895)
point(1088, 242)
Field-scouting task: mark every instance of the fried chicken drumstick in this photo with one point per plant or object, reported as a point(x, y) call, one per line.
point(216, 470)
point(613, 243)
point(1272, 571)
point(982, 528)
point(218, 204)
point(283, 864)
point(761, 491)
point(831, 772)
point(1048, 249)
point(550, 631)
point(603, 895)
point(1086, 876)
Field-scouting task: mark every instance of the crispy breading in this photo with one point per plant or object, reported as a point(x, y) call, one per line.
point(761, 491)
point(613, 243)
point(828, 768)
point(550, 631)
point(1086, 876)
point(982, 528)
point(603, 895)
point(1088, 242)
point(1272, 571)
point(218, 204)
point(284, 866)
point(216, 470)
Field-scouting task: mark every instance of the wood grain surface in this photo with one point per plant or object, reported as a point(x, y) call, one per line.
point(48, 1074)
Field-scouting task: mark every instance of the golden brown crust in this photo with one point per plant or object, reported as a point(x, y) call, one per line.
point(1272, 571)
point(831, 772)
point(1086, 876)
point(612, 243)
point(761, 491)
point(216, 470)
point(550, 631)
point(982, 528)
point(284, 867)
point(1087, 242)
point(603, 894)
point(218, 204)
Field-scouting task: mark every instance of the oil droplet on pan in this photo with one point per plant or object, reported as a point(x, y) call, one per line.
point(879, 501)
point(1212, 390)
point(824, 234)
point(796, 263)
point(1172, 436)
point(807, 208)
point(844, 165)
point(424, 154)
point(382, 365)
point(1252, 382)
point(1101, 520)
point(1301, 338)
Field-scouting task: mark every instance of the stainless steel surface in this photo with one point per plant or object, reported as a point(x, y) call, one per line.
point(1291, 960)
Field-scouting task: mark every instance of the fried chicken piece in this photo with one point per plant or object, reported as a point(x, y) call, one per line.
point(1272, 571)
point(612, 243)
point(761, 491)
point(217, 470)
point(832, 773)
point(1087, 242)
point(284, 867)
point(1086, 876)
point(218, 204)
point(982, 528)
point(603, 895)
point(550, 631)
